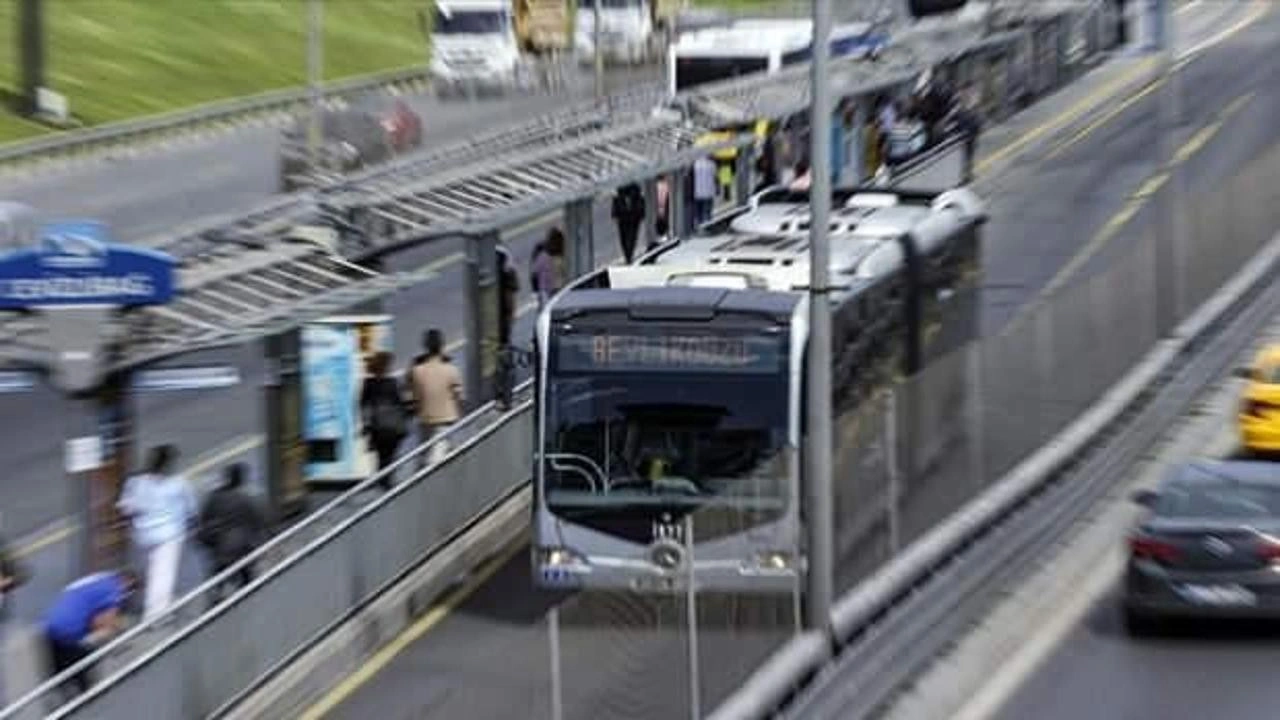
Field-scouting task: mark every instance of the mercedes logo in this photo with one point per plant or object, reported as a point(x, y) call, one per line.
point(1217, 547)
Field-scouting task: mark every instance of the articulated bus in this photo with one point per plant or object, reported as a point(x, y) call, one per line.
point(670, 393)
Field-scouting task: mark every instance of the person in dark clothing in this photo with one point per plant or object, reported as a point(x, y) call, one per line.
point(628, 213)
point(386, 419)
point(86, 614)
point(231, 526)
point(509, 284)
point(508, 296)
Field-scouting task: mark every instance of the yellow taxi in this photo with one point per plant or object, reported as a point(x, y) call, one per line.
point(1259, 418)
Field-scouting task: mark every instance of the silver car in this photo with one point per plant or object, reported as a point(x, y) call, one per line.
point(1208, 545)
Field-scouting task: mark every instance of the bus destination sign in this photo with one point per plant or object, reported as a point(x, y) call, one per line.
point(670, 352)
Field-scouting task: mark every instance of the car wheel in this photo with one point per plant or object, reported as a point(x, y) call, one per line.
point(1139, 624)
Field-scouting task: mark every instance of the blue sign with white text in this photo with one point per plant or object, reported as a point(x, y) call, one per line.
point(77, 263)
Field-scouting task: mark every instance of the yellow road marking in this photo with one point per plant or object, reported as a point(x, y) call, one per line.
point(1257, 11)
point(1062, 120)
point(1130, 208)
point(432, 618)
point(1106, 118)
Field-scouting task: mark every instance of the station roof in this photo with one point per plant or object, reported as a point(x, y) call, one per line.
point(254, 274)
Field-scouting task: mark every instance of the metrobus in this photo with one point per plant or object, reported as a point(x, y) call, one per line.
point(670, 393)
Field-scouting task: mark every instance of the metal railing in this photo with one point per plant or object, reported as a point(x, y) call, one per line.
point(284, 103)
point(432, 522)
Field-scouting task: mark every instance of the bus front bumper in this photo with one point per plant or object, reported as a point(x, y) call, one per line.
point(645, 578)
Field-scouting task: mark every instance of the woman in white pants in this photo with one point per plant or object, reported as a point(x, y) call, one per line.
point(161, 506)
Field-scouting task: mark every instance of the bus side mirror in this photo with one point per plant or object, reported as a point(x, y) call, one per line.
point(1243, 372)
point(1145, 497)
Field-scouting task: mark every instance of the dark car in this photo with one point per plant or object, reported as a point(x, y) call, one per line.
point(369, 132)
point(1208, 545)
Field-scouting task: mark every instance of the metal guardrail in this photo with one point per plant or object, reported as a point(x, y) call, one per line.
point(226, 113)
point(439, 518)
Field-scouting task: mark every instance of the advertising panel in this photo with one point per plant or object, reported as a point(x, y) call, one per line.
point(335, 356)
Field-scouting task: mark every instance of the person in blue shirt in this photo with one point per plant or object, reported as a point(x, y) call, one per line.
point(86, 613)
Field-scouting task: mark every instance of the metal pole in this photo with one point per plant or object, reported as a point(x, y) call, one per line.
point(819, 495)
point(691, 610)
point(595, 44)
point(31, 52)
point(1167, 208)
point(553, 633)
point(315, 78)
point(891, 463)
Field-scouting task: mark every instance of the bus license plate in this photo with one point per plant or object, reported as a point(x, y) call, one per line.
point(1218, 595)
point(559, 578)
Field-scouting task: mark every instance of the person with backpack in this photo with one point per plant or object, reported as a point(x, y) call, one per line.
point(231, 527)
point(386, 419)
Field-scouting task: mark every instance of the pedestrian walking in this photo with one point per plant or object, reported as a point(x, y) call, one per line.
point(231, 527)
point(662, 213)
point(86, 614)
point(628, 213)
point(386, 419)
point(704, 190)
point(548, 266)
point(13, 575)
point(161, 507)
point(437, 393)
point(508, 297)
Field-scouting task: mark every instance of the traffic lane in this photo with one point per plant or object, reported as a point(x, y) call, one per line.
point(622, 656)
point(1219, 670)
point(1227, 122)
point(189, 179)
point(1053, 204)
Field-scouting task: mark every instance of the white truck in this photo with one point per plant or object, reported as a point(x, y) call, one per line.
point(631, 31)
point(475, 47)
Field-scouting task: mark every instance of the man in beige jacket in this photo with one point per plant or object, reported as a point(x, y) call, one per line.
point(437, 393)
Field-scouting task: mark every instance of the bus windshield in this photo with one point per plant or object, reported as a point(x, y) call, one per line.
point(469, 22)
point(670, 438)
point(692, 71)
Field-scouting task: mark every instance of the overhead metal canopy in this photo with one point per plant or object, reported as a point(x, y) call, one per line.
point(505, 190)
point(787, 93)
point(255, 274)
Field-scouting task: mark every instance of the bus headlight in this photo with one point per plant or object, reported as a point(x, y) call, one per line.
point(771, 561)
point(561, 558)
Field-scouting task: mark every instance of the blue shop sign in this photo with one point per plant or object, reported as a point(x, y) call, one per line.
point(77, 263)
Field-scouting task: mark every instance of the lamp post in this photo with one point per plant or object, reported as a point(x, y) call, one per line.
point(818, 481)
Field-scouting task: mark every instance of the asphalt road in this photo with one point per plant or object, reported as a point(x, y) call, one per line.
point(1081, 663)
point(488, 654)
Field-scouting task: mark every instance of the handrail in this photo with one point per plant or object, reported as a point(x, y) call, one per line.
point(120, 644)
point(296, 557)
point(217, 111)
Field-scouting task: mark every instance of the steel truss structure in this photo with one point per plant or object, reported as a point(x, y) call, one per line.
point(296, 258)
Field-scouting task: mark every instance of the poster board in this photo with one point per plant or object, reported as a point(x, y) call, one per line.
point(335, 356)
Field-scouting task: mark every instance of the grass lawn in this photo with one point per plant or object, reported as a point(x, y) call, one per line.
point(120, 59)
point(117, 59)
